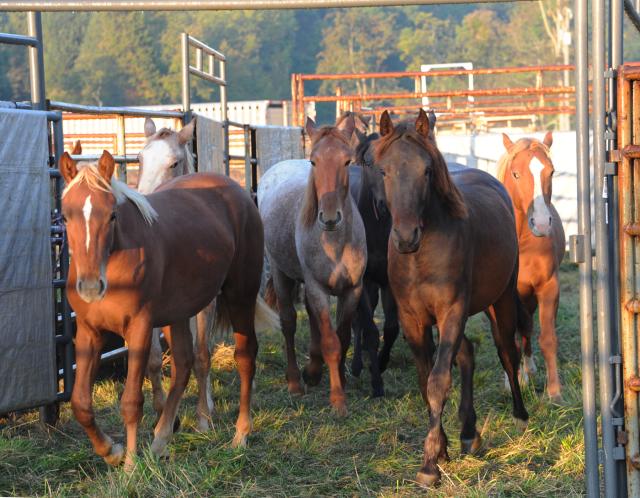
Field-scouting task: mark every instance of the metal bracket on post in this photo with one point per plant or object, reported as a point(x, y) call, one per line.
point(576, 249)
point(610, 73)
point(610, 169)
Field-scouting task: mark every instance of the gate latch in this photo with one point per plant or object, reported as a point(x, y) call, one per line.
point(576, 249)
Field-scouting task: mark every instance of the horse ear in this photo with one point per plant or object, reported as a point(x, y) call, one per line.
point(77, 148)
point(548, 139)
point(347, 126)
point(423, 124)
point(186, 133)
point(310, 127)
point(506, 141)
point(149, 127)
point(106, 165)
point(432, 119)
point(67, 167)
point(386, 125)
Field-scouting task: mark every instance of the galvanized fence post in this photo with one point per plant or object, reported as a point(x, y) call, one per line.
point(36, 62)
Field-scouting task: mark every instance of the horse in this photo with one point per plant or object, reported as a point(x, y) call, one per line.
point(166, 156)
point(142, 262)
point(367, 189)
point(453, 252)
point(526, 170)
point(314, 235)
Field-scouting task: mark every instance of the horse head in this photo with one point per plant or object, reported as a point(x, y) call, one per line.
point(164, 155)
point(526, 170)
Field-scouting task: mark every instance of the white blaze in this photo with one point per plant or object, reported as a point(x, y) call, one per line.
point(86, 210)
point(541, 213)
point(157, 160)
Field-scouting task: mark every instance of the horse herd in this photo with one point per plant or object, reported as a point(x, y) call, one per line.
point(367, 216)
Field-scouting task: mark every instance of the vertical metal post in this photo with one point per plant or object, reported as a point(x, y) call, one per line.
point(294, 100)
point(223, 90)
point(36, 62)
point(67, 329)
point(121, 147)
point(584, 226)
point(603, 278)
point(248, 177)
point(186, 97)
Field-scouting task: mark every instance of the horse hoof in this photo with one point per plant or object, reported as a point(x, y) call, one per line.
point(295, 388)
point(521, 425)
point(426, 479)
point(471, 446)
point(311, 379)
point(115, 456)
point(203, 425)
point(239, 441)
point(556, 399)
point(129, 465)
point(356, 369)
point(377, 392)
point(159, 448)
point(341, 410)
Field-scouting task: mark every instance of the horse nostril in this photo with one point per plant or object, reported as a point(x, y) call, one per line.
point(416, 234)
point(79, 285)
point(321, 216)
point(338, 216)
point(550, 220)
point(103, 286)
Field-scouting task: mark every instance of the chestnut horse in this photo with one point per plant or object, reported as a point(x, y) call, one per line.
point(314, 234)
point(526, 170)
point(142, 262)
point(166, 156)
point(453, 252)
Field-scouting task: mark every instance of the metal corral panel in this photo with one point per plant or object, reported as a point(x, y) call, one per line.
point(27, 355)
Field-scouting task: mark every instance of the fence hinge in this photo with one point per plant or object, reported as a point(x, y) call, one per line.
point(615, 156)
point(609, 135)
point(600, 456)
point(633, 306)
point(576, 249)
point(615, 359)
point(610, 169)
point(618, 453)
point(610, 73)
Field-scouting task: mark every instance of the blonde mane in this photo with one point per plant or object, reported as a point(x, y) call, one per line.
point(90, 175)
point(504, 163)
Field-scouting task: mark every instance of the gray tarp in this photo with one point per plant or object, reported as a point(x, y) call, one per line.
point(210, 143)
point(277, 143)
point(27, 344)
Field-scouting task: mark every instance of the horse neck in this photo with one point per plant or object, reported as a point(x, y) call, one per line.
point(131, 229)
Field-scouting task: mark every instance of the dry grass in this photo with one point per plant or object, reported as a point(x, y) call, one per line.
point(300, 449)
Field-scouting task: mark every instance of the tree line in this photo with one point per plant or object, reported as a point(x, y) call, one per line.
point(134, 57)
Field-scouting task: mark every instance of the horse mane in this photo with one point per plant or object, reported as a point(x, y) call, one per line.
point(309, 211)
point(363, 148)
point(90, 175)
point(504, 163)
point(444, 186)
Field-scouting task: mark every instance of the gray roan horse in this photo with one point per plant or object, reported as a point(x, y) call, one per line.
point(165, 156)
point(314, 234)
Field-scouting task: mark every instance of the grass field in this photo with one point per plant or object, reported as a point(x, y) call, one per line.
point(299, 448)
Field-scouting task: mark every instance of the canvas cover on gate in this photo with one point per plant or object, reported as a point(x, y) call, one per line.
point(210, 145)
point(27, 343)
point(278, 143)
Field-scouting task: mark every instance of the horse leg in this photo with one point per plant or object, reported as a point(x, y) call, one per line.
point(312, 372)
point(370, 334)
point(358, 331)
point(391, 326)
point(469, 437)
point(451, 328)
point(420, 339)
point(246, 350)
point(180, 342)
point(202, 367)
point(503, 313)
point(154, 372)
point(284, 288)
point(530, 303)
point(88, 344)
point(138, 336)
point(548, 298)
point(330, 346)
point(347, 304)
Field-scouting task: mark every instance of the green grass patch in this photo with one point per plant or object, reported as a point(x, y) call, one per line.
point(299, 448)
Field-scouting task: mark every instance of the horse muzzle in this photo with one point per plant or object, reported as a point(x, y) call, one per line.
point(406, 241)
point(540, 228)
point(91, 290)
point(330, 224)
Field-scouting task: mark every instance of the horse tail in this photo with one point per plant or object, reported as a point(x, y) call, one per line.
point(265, 318)
point(270, 297)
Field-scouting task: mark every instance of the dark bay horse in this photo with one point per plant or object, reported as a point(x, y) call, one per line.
point(166, 156)
point(142, 262)
point(453, 252)
point(314, 235)
point(526, 170)
point(367, 188)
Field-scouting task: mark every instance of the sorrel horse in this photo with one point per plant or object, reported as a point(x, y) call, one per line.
point(142, 262)
point(453, 252)
point(526, 170)
point(166, 156)
point(367, 188)
point(314, 234)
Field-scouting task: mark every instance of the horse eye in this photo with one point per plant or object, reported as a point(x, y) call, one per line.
point(382, 172)
point(113, 217)
point(174, 165)
point(64, 218)
point(347, 163)
point(516, 175)
point(313, 163)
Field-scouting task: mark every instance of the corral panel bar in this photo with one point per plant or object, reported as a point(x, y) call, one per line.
point(584, 226)
point(122, 111)
point(603, 278)
point(127, 5)
point(36, 61)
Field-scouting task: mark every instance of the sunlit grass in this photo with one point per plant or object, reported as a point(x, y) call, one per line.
point(299, 447)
